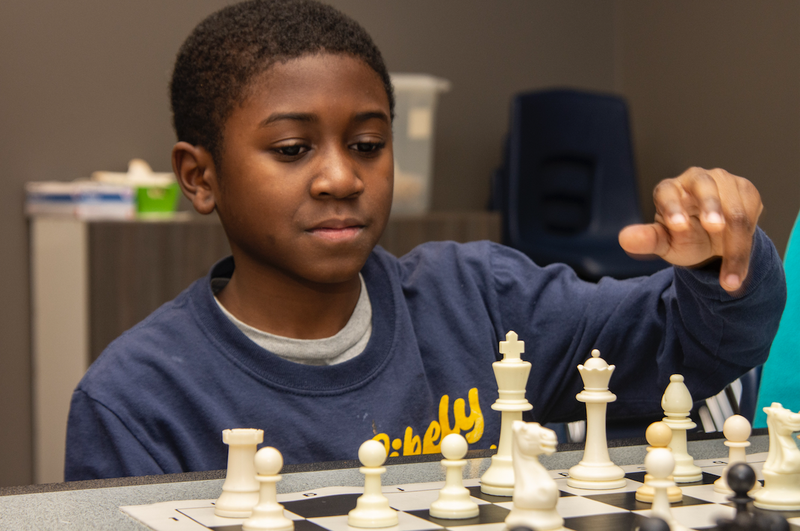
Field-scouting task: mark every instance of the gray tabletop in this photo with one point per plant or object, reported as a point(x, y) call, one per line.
point(94, 505)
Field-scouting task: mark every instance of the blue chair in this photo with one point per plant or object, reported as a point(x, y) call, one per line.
point(780, 379)
point(568, 185)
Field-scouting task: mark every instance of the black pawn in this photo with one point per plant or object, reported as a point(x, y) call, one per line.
point(654, 523)
point(741, 478)
point(522, 528)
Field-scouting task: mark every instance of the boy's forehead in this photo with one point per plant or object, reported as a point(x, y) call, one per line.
point(296, 81)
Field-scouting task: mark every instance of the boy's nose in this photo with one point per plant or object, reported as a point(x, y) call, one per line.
point(336, 176)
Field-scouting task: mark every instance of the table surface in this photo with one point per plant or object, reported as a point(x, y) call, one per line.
point(94, 505)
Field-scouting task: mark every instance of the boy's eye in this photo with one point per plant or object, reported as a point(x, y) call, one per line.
point(291, 151)
point(368, 147)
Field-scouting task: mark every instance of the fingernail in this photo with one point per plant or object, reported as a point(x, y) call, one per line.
point(677, 219)
point(732, 281)
point(714, 217)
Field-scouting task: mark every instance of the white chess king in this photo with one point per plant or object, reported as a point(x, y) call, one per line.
point(512, 379)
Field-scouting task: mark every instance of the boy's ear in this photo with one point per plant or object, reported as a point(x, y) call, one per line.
point(196, 174)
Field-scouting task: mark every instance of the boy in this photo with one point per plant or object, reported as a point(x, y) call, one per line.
point(283, 113)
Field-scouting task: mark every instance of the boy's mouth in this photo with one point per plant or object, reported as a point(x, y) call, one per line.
point(337, 229)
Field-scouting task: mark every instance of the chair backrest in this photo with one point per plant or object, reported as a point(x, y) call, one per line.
point(570, 168)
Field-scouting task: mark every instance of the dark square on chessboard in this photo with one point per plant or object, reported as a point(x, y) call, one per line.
point(322, 506)
point(489, 514)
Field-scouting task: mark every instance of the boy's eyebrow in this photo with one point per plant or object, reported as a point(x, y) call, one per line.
point(369, 115)
point(310, 117)
point(296, 116)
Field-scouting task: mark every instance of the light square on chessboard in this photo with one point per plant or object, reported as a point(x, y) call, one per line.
point(700, 516)
point(408, 522)
point(500, 526)
point(205, 516)
point(418, 500)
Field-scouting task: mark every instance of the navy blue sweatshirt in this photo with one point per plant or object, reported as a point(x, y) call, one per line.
point(157, 400)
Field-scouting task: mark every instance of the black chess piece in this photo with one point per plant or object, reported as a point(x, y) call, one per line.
point(522, 528)
point(654, 523)
point(741, 479)
point(770, 522)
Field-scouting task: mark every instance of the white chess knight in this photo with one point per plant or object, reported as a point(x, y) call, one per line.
point(512, 379)
point(535, 493)
point(781, 470)
point(596, 470)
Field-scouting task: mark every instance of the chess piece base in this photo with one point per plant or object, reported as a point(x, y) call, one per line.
point(645, 493)
point(689, 477)
point(236, 504)
point(498, 480)
point(454, 510)
point(778, 494)
point(372, 512)
point(596, 477)
point(541, 520)
point(272, 519)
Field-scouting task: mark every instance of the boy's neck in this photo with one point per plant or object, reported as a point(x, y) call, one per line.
point(287, 307)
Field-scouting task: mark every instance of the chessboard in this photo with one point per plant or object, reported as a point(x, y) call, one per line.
point(583, 510)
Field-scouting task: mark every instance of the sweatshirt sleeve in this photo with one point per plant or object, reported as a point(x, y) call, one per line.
point(677, 321)
point(99, 445)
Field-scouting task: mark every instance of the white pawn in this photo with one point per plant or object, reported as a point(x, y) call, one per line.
point(736, 430)
point(677, 404)
point(372, 508)
point(454, 499)
point(659, 464)
point(658, 435)
point(268, 514)
point(240, 490)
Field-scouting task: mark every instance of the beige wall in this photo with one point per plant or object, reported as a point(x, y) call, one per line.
point(83, 87)
point(716, 84)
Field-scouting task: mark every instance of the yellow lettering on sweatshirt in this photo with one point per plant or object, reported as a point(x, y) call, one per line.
point(470, 424)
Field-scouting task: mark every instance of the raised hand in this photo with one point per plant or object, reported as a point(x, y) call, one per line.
point(701, 215)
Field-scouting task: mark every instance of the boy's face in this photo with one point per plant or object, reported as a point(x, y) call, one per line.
point(305, 181)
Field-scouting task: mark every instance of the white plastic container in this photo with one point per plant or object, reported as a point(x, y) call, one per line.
point(416, 96)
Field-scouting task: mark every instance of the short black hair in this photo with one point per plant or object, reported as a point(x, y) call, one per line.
point(228, 49)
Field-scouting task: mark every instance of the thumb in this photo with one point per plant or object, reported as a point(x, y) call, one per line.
point(644, 239)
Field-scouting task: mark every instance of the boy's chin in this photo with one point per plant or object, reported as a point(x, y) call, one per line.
point(335, 273)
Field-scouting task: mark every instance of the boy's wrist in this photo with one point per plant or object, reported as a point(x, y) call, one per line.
point(704, 279)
